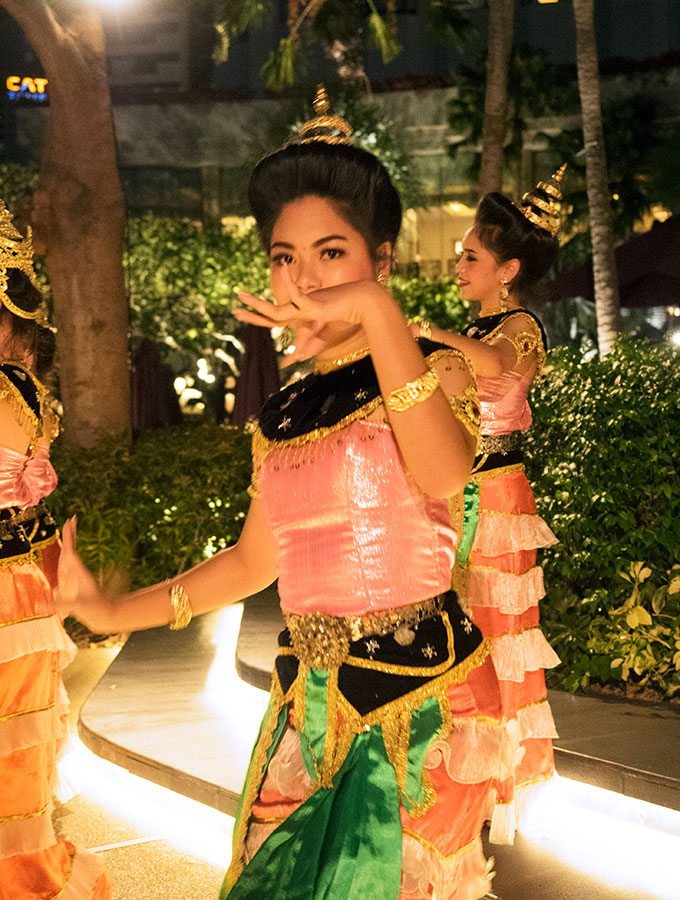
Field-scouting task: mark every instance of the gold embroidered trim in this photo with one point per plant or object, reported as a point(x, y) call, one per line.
point(536, 780)
point(525, 342)
point(262, 446)
point(431, 847)
point(495, 569)
point(500, 443)
point(26, 712)
point(324, 366)
point(493, 473)
point(502, 512)
point(60, 892)
point(21, 560)
point(20, 817)
point(517, 632)
point(268, 820)
point(321, 641)
point(254, 782)
point(535, 703)
point(467, 410)
point(412, 700)
point(26, 418)
point(451, 353)
point(35, 427)
point(27, 619)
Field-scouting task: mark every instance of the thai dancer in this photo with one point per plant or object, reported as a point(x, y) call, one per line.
point(34, 647)
point(382, 739)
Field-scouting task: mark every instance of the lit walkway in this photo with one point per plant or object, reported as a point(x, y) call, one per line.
point(172, 709)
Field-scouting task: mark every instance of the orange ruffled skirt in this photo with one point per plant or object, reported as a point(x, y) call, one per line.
point(504, 586)
point(34, 648)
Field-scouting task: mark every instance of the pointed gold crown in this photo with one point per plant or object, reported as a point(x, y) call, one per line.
point(16, 252)
point(542, 205)
point(325, 128)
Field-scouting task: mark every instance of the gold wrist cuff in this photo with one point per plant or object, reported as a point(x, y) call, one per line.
point(413, 392)
point(426, 330)
point(181, 607)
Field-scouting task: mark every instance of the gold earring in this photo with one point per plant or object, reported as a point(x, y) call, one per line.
point(381, 279)
point(504, 294)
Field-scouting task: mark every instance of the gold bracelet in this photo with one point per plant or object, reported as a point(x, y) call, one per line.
point(181, 607)
point(413, 392)
point(426, 330)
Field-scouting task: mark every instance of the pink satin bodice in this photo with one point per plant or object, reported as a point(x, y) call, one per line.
point(504, 403)
point(354, 532)
point(25, 479)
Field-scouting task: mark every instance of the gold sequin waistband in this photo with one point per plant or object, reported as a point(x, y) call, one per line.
point(500, 443)
point(321, 641)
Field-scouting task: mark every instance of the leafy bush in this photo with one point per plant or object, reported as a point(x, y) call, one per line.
point(603, 458)
point(436, 301)
point(159, 506)
point(182, 281)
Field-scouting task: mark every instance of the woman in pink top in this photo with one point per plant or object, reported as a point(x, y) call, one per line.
point(506, 254)
point(382, 739)
point(34, 648)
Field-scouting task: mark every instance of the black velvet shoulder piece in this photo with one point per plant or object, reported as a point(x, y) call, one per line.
point(324, 401)
point(24, 387)
point(483, 326)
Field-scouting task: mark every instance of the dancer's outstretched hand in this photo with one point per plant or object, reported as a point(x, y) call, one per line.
point(349, 303)
point(77, 593)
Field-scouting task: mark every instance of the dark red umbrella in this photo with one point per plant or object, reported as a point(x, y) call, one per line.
point(648, 268)
point(259, 377)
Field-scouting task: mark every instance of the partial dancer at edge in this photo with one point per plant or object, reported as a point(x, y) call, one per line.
point(506, 256)
point(34, 647)
point(382, 740)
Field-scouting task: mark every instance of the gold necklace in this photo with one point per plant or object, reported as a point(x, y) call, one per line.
point(496, 312)
point(323, 366)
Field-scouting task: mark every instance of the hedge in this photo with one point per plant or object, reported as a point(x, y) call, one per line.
point(603, 457)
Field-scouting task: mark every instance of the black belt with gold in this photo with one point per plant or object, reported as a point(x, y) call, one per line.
point(25, 530)
point(379, 657)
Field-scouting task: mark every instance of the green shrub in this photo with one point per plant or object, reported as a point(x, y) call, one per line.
point(159, 506)
point(602, 456)
point(437, 301)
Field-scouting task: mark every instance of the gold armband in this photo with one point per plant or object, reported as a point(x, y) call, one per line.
point(413, 392)
point(181, 607)
point(467, 410)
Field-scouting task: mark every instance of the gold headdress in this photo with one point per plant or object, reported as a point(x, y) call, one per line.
point(16, 252)
point(542, 205)
point(325, 128)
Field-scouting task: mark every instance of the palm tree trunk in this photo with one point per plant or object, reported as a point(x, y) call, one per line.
point(597, 182)
point(78, 218)
point(501, 22)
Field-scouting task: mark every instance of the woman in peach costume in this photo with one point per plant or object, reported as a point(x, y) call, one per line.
point(34, 648)
point(505, 257)
point(383, 737)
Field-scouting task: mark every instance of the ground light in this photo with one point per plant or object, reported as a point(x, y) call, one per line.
point(619, 840)
point(160, 814)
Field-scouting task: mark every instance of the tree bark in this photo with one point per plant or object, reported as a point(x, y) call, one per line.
point(78, 218)
point(501, 23)
point(607, 306)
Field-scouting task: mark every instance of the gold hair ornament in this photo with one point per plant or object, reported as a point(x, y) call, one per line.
point(16, 252)
point(541, 206)
point(323, 127)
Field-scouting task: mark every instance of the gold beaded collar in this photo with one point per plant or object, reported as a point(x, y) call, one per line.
point(323, 366)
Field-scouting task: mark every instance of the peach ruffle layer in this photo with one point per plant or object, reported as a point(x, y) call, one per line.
point(466, 875)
